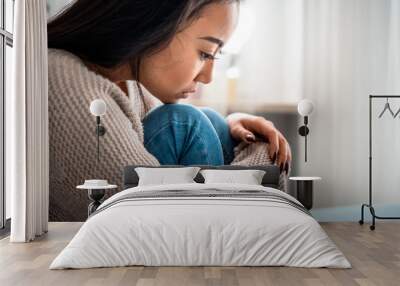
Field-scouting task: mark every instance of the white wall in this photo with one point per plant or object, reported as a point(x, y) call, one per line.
point(336, 53)
point(271, 61)
point(351, 51)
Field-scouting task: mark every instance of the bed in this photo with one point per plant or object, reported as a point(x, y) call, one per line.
point(201, 224)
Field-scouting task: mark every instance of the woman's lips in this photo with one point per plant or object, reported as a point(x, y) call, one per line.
point(189, 91)
point(185, 94)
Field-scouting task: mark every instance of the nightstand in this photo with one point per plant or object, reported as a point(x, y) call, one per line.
point(96, 190)
point(305, 190)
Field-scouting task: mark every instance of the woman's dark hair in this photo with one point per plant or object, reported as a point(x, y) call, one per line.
point(112, 32)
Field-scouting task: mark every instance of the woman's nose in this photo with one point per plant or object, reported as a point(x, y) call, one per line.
point(205, 75)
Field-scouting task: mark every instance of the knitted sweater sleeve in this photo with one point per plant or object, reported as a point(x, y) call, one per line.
point(73, 141)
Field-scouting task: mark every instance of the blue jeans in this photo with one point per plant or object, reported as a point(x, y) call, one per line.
point(181, 134)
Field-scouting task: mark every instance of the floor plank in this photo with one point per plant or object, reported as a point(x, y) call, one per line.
point(374, 255)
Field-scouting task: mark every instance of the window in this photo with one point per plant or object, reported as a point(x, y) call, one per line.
point(6, 60)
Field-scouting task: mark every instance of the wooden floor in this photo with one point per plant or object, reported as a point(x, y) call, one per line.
point(374, 255)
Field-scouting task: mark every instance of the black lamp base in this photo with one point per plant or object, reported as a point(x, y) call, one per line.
point(95, 197)
point(305, 193)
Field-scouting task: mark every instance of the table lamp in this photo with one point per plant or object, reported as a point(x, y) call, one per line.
point(305, 107)
point(96, 188)
point(98, 108)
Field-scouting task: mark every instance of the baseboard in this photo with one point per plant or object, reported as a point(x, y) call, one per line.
point(353, 213)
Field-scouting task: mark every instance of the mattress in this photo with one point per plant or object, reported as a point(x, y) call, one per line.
point(201, 225)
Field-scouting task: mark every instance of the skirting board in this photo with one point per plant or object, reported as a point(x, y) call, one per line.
point(353, 212)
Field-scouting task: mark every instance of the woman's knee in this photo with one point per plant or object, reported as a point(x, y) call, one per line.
point(213, 116)
point(185, 132)
point(177, 119)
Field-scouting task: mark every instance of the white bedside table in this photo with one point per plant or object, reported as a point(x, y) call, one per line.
point(305, 190)
point(96, 191)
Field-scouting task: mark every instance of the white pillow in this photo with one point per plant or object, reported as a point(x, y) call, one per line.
point(249, 177)
point(163, 176)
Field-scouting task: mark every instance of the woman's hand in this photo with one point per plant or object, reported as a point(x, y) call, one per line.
point(250, 128)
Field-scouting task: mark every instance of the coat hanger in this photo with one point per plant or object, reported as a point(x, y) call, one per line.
point(387, 106)
point(398, 111)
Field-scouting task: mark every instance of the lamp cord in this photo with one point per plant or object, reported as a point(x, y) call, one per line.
point(98, 145)
point(305, 147)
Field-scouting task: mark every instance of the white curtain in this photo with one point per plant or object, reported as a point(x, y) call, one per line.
point(27, 121)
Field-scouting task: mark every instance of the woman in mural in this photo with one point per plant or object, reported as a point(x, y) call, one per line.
point(141, 58)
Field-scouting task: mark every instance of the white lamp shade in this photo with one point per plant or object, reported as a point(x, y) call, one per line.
point(305, 107)
point(98, 107)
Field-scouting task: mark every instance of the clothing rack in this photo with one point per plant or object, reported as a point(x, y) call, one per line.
point(370, 206)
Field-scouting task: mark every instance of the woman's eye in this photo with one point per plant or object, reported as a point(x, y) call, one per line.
point(205, 56)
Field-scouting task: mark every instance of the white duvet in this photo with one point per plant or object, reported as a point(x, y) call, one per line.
point(200, 231)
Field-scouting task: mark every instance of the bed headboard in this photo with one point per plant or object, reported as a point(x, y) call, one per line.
point(270, 179)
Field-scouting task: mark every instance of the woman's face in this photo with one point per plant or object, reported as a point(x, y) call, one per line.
point(174, 72)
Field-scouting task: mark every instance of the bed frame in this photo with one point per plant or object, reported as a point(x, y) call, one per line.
point(270, 179)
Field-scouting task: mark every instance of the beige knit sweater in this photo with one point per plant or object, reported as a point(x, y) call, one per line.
point(72, 87)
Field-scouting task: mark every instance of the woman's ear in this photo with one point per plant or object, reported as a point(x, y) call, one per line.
point(122, 73)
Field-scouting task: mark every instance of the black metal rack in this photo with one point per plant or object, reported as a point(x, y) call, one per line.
point(370, 206)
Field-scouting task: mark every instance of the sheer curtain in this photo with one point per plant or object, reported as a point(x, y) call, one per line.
point(28, 121)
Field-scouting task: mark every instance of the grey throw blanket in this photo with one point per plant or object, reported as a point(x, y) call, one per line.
point(206, 194)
